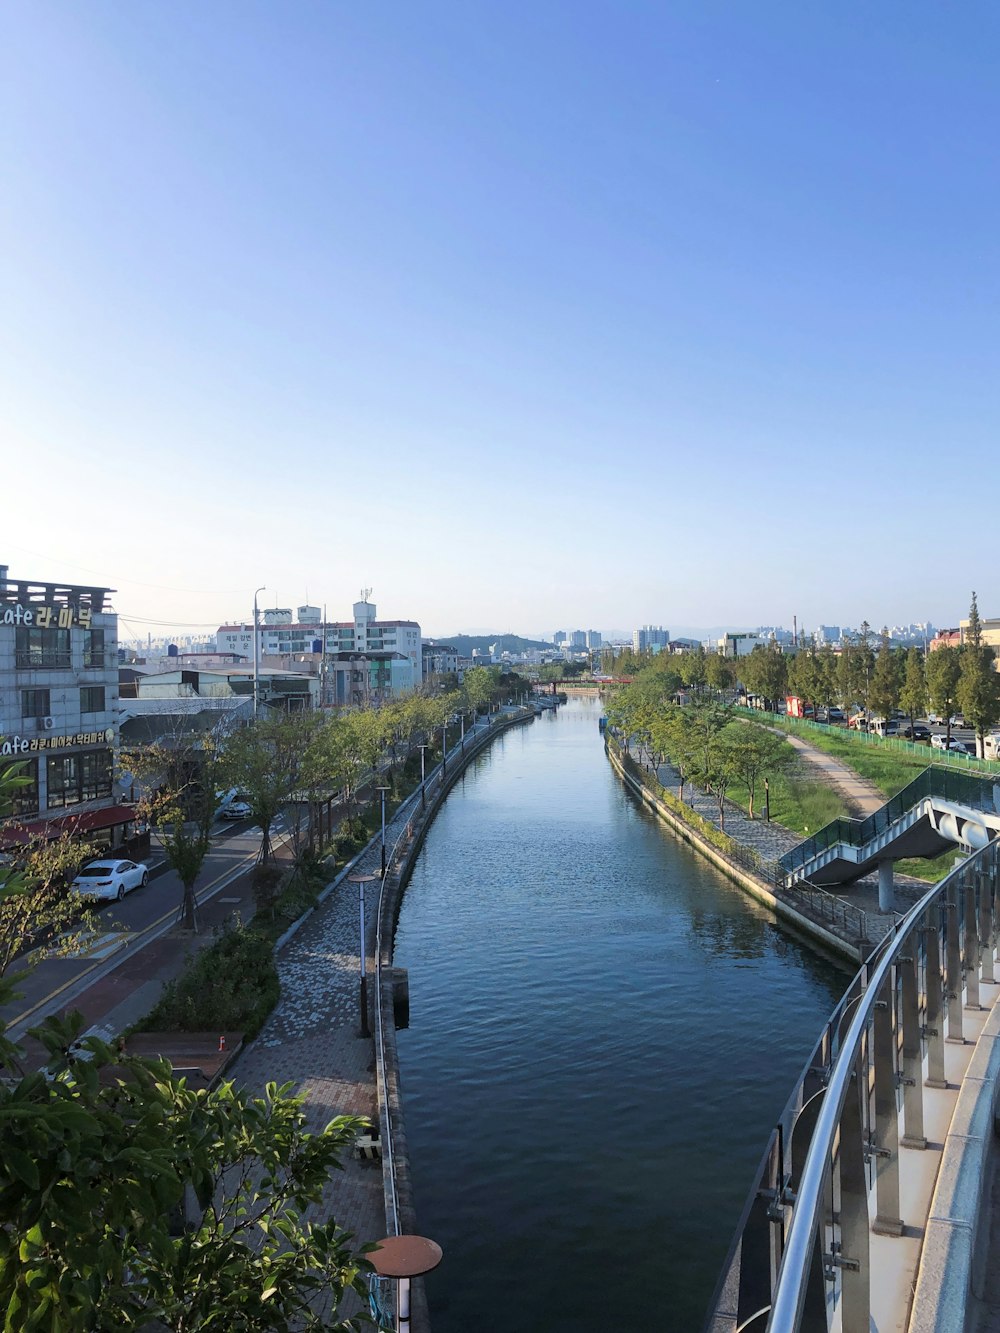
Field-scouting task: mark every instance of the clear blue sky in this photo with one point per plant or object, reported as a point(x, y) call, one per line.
point(528, 316)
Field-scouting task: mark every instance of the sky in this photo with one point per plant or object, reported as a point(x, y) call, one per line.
point(549, 314)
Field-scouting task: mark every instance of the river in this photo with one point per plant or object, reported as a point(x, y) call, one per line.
point(603, 1029)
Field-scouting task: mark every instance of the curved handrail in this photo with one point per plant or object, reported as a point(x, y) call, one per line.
point(793, 1275)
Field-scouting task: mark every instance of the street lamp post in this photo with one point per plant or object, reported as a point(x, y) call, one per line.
point(444, 749)
point(767, 801)
point(361, 881)
point(256, 654)
point(404, 1258)
point(423, 792)
point(463, 733)
point(382, 791)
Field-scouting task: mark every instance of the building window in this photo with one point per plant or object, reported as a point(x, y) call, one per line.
point(91, 699)
point(93, 648)
point(40, 649)
point(24, 800)
point(35, 703)
point(63, 776)
point(73, 778)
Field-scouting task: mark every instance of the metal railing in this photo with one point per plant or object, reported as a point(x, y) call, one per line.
point(975, 792)
point(824, 906)
point(830, 1177)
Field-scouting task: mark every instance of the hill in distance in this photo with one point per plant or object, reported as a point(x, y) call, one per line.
point(506, 643)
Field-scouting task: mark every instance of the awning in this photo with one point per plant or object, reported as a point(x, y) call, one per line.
point(14, 833)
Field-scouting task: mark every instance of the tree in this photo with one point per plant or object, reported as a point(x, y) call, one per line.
point(752, 752)
point(978, 688)
point(178, 780)
point(913, 696)
point(34, 904)
point(943, 670)
point(884, 693)
point(720, 672)
point(131, 1201)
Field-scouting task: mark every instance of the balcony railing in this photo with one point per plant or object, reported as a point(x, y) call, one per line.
point(53, 660)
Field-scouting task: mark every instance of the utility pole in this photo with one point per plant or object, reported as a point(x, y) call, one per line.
point(256, 654)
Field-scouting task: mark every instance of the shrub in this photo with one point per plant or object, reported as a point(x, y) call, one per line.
point(232, 985)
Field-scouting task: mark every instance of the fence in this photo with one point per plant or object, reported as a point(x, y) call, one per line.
point(801, 1260)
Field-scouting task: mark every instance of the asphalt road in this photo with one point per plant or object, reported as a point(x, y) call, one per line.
point(144, 915)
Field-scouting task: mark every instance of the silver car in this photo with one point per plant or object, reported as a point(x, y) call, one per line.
point(109, 879)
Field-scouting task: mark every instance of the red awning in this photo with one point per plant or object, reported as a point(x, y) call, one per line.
point(16, 834)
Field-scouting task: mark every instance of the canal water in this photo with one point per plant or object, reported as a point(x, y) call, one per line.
point(602, 1031)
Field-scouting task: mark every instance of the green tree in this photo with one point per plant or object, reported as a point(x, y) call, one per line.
point(913, 696)
point(943, 670)
point(100, 1154)
point(978, 688)
point(34, 904)
point(720, 671)
point(885, 683)
point(751, 752)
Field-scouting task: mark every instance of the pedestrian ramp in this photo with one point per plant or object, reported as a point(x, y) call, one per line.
point(940, 809)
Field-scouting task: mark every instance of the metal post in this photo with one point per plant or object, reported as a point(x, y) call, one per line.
point(256, 653)
point(911, 1066)
point(953, 972)
point(886, 890)
point(986, 927)
point(423, 791)
point(851, 1257)
point(444, 750)
point(361, 880)
point(884, 1143)
point(767, 801)
point(463, 733)
point(970, 941)
point(382, 791)
point(934, 1006)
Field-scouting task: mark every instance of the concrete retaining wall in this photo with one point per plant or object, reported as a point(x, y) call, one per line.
point(757, 888)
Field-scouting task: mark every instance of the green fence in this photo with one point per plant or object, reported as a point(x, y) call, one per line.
point(945, 758)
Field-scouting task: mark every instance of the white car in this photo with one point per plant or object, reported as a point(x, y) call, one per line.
point(941, 742)
point(109, 879)
point(235, 810)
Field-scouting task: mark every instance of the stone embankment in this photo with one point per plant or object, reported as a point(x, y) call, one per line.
point(848, 924)
point(312, 1039)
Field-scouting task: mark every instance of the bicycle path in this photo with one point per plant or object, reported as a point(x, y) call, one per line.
point(860, 793)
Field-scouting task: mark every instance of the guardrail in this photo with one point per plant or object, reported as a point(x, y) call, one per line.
point(801, 1259)
point(975, 792)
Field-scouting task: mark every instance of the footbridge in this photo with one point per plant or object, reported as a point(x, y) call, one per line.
point(875, 1206)
point(939, 809)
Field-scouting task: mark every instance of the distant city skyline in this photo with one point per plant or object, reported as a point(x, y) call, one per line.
point(531, 316)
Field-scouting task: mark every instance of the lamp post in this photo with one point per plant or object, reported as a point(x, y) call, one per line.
point(404, 1258)
point(256, 654)
point(444, 750)
point(382, 791)
point(463, 733)
point(361, 881)
point(767, 801)
point(423, 792)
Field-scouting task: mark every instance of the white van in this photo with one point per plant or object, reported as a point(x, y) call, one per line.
point(883, 727)
point(991, 746)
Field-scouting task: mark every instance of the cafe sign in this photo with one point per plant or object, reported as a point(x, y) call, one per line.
point(46, 617)
point(15, 745)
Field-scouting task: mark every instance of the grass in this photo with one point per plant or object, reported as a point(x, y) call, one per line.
point(931, 868)
point(889, 770)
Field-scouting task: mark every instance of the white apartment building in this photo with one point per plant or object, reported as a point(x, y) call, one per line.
point(650, 639)
point(280, 636)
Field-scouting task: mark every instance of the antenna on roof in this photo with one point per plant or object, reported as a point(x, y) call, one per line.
point(365, 594)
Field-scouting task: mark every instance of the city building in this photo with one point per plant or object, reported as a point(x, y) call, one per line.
point(59, 709)
point(827, 635)
point(440, 659)
point(740, 643)
point(594, 640)
point(650, 639)
point(277, 688)
point(309, 634)
point(990, 632)
point(947, 638)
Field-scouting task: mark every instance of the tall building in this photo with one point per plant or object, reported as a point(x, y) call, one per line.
point(650, 639)
point(59, 708)
point(594, 639)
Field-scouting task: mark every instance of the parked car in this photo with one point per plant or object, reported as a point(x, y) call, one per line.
point(941, 742)
point(236, 810)
point(918, 732)
point(958, 720)
point(935, 719)
point(109, 879)
point(836, 715)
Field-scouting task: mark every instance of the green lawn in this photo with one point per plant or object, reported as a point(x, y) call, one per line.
point(890, 770)
point(800, 804)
